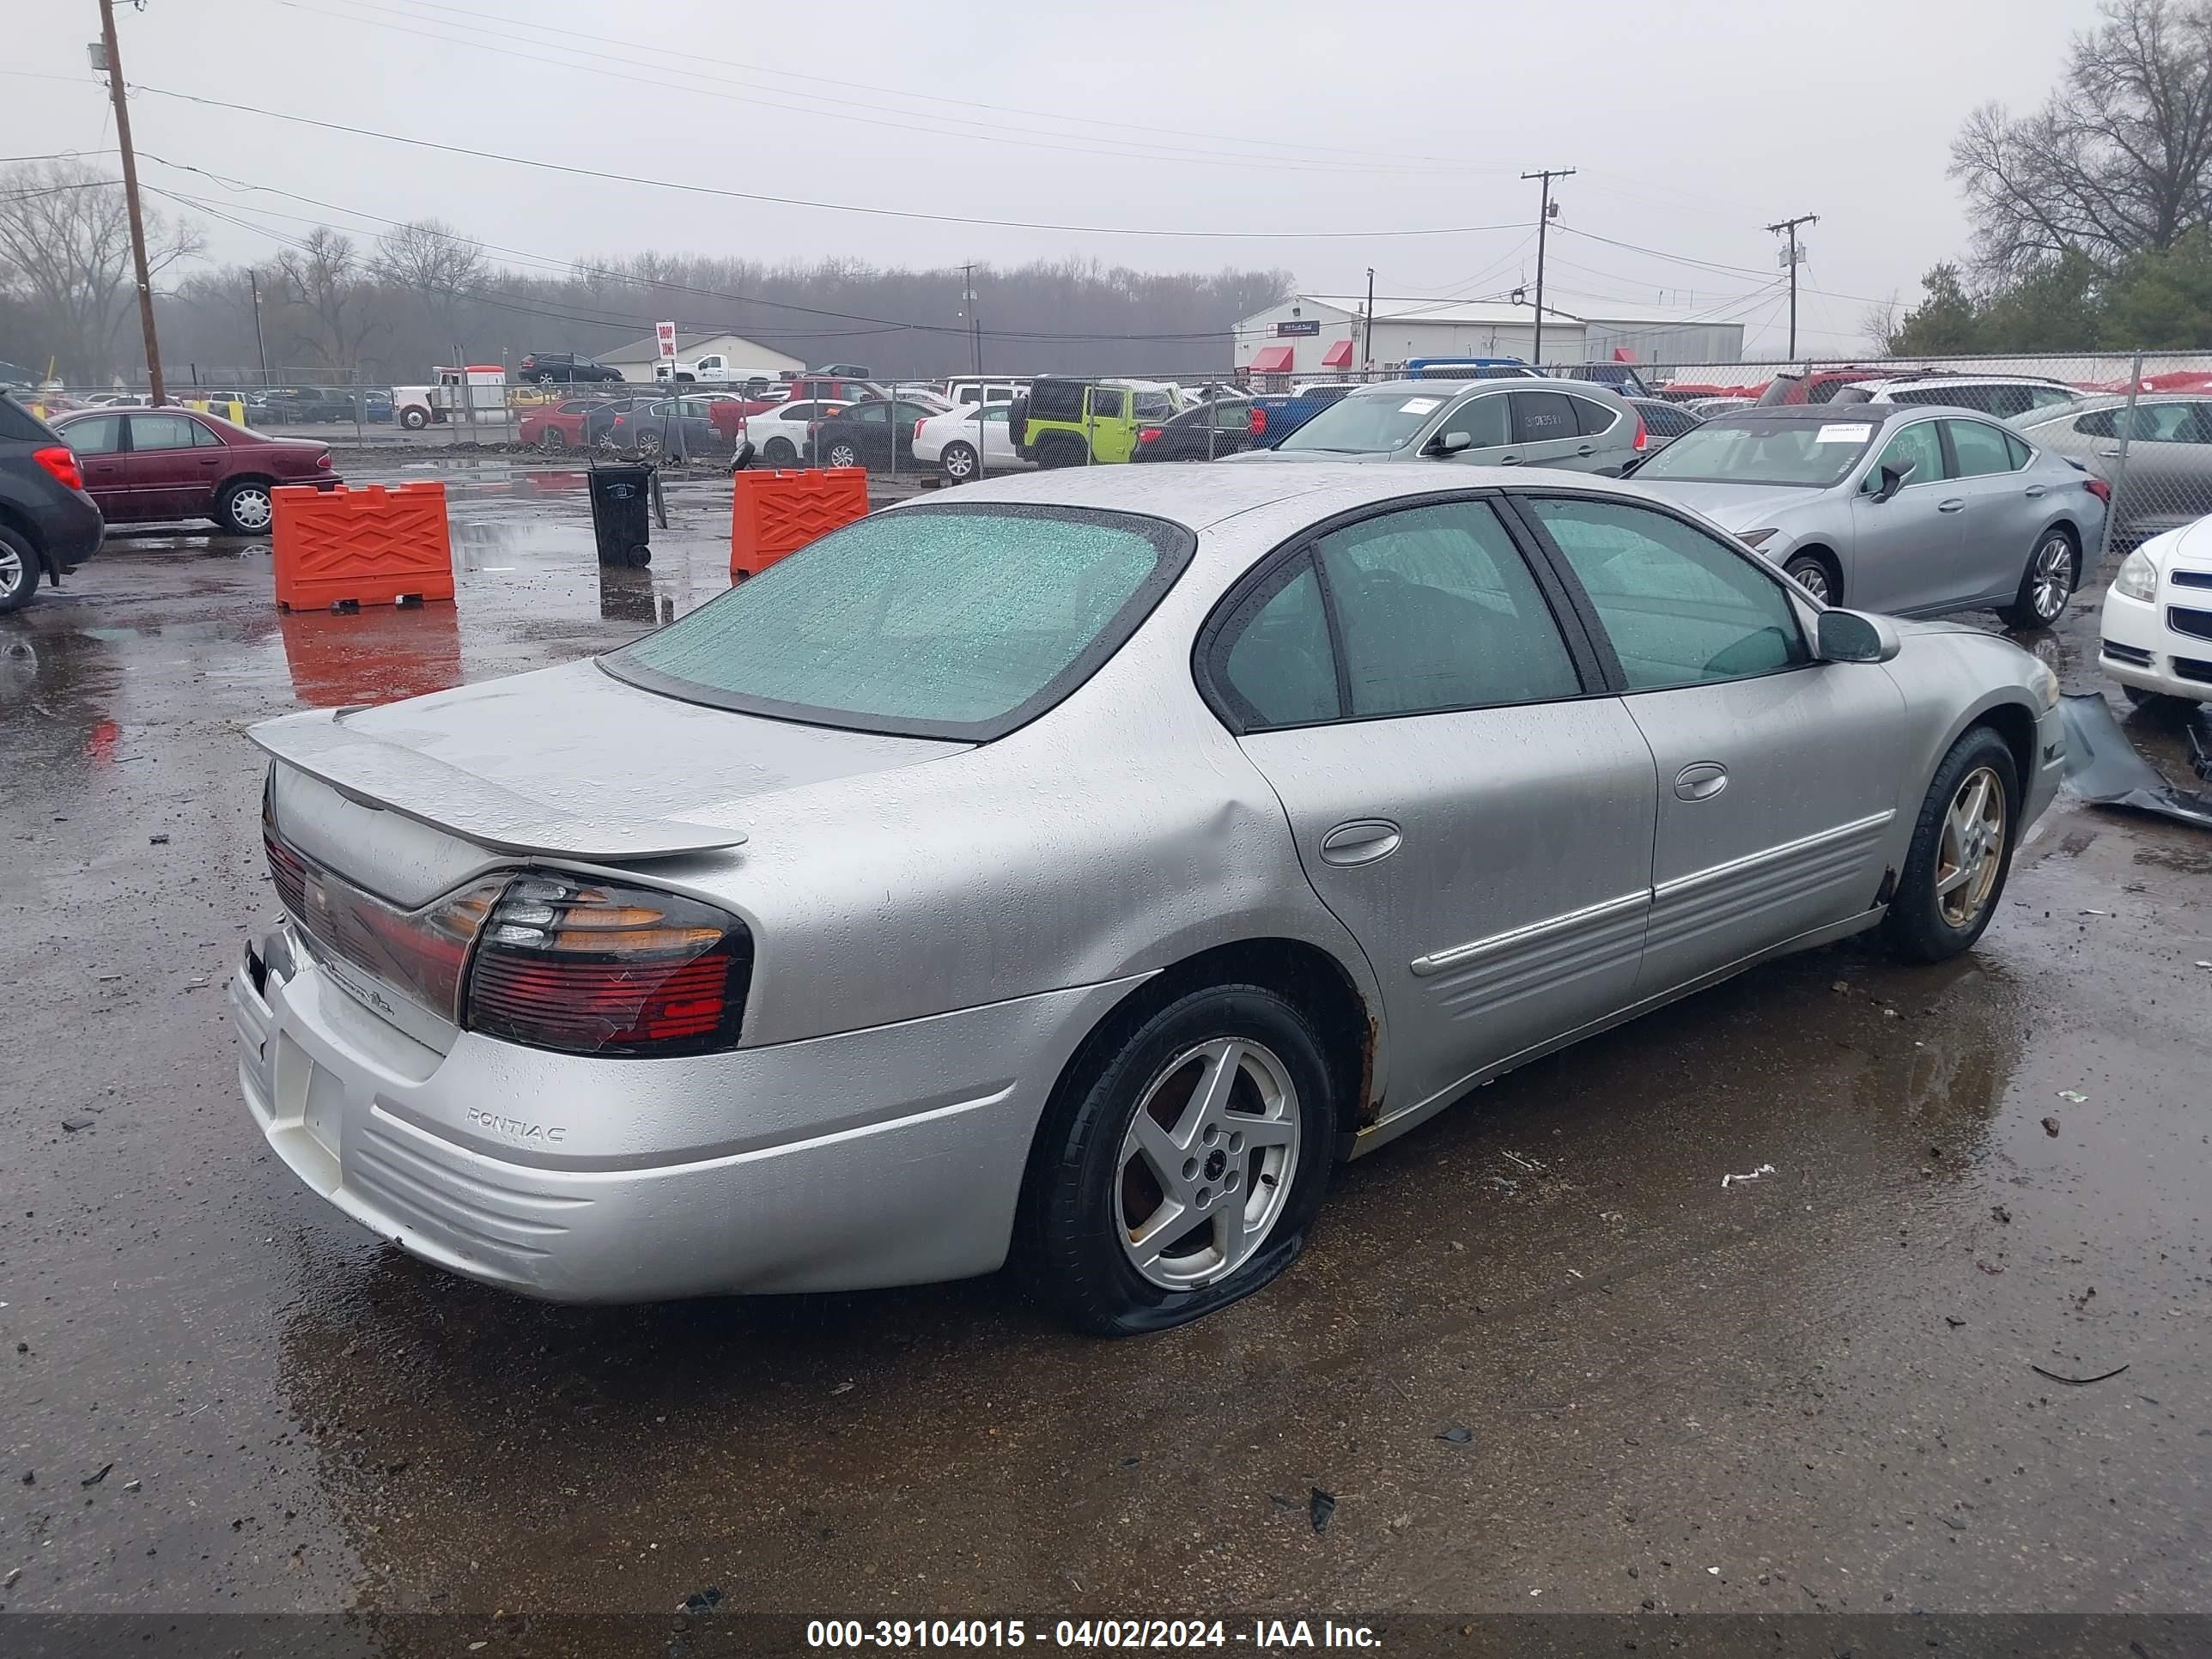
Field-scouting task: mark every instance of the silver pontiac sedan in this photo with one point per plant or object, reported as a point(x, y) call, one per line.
point(1070, 872)
point(1896, 507)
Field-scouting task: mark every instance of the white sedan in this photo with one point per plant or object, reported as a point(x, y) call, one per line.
point(953, 441)
point(778, 433)
point(2156, 632)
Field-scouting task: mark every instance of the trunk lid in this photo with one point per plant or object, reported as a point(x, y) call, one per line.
point(565, 761)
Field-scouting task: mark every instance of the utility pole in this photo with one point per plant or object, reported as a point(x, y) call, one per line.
point(1367, 354)
point(112, 58)
point(975, 324)
point(1793, 255)
point(260, 345)
point(1543, 224)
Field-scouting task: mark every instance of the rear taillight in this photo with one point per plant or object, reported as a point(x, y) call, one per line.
point(1642, 437)
point(1258, 421)
point(323, 461)
point(620, 420)
point(2100, 489)
point(1150, 435)
point(587, 967)
point(62, 463)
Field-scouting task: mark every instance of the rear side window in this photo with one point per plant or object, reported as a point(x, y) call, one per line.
point(1542, 417)
point(18, 424)
point(1921, 395)
point(1280, 669)
point(1979, 450)
point(1592, 417)
point(1154, 406)
point(1438, 610)
point(1056, 400)
point(2018, 450)
point(1680, 607)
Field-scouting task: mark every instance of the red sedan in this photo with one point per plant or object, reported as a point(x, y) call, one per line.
point(556, 426)
point(158, 466)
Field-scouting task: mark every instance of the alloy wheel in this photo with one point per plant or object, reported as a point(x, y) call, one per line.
point(1206, 1165)
point(2051, 579)
point(843, 455)
point(252, 510)
point(959, 461)
point(14, 572)
point(1813, 576)
point(1970, 854)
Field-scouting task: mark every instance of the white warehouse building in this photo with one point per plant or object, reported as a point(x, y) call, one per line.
point(1326, 333)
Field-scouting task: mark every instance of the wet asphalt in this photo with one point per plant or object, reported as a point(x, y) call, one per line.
point(1537, 1354)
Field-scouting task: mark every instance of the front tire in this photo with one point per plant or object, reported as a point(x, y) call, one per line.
point(245, 509)
point(1810, 572)
point(1180, 1164)
point(1961, 853)
point(2053, 569)
point(413, 419)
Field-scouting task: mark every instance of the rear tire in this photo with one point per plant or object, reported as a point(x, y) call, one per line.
point(552, 440)
point(2054, 569)
point(246, 508)
point(958, 461)
point(778, 452)
point(1961, 853)
point(1126, 1232)
point(19, 571)
point(842, 455)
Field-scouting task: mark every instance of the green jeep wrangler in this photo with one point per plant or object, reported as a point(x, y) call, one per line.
point(1063, 422)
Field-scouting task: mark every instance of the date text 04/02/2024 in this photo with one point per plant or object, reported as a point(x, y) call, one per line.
point(1262, 1634)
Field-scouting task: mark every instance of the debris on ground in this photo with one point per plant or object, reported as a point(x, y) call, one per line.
point(1763, 1171)
point(1999, 1212)
point(2050, 1126)
point(1457, 1436)
point(96, 1476)
point(2074, 1094)
point(73, 1124)
point(1320, 1508)
point(1954, 1322)
point(2102, 768)
point(2077, 1382)
point(157, 840)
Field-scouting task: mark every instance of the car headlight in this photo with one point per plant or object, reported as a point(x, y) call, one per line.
point(1756, 538)
point(2044, 683)
point(2137, 578)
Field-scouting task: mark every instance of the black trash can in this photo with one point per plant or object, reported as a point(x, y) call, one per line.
point(621, 528)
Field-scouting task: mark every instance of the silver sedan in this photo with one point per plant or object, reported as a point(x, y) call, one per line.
point(1904, 508)
point(1071, 874)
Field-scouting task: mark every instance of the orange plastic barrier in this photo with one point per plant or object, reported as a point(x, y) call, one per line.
point(373, 544)
point(776, 513)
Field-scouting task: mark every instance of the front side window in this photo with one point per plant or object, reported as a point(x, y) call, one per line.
point(1917, 446)
point(95, 435)
point(929, 621)
point(1979, 450)
point(1438, 610)
point(1680, 607)
point(1106, 403)
point(1232, 417)
point(1483, 419)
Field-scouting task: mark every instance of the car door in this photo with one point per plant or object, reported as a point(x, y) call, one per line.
point(868, 427)
point(1465, 794)
point(2167, 480)
point(104, 459)
point(1484, 416)
point(1106, 423)
point(173, 472)
point(1776, 776)
point(1902, 552)
point(2004, 513)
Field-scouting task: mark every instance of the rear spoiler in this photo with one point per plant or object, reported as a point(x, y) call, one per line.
point(391, 777)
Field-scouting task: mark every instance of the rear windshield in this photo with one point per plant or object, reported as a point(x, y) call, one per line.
point(1746, 450)
point(19, 424)
point(1363, 425)
point(952, 622)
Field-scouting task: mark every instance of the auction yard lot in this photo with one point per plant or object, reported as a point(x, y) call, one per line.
point(1538, 1355)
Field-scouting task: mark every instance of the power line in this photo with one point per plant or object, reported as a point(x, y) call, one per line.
point(826, 207)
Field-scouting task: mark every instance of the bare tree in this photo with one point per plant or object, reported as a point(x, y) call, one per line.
point(332, 309)
point(1881, 324)
point(66, 257)
point(2118, 161)
point(431, 257)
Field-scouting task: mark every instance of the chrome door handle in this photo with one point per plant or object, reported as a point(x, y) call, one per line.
point(1956, 504)
point(1587, 449)
point(2035, 489)
point(1509, 460)
point(2111, 454)
point(1700, 780)
point(1363, 841)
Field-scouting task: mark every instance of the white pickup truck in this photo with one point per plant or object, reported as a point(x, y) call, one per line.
point(714, 368)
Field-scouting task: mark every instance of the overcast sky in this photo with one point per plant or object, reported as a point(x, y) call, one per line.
point(1691, 125)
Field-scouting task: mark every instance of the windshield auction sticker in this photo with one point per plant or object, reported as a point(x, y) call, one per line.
point(1855, 432)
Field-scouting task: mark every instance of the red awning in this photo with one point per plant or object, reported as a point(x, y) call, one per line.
point(1338, 355)
point(1273, 360)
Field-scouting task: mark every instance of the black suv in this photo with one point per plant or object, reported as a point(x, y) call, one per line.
point(46, 520)
point(546, 366)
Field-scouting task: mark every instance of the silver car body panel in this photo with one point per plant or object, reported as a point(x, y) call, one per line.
point(937, 926)
point(1607, 452)
point(1937, 546)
